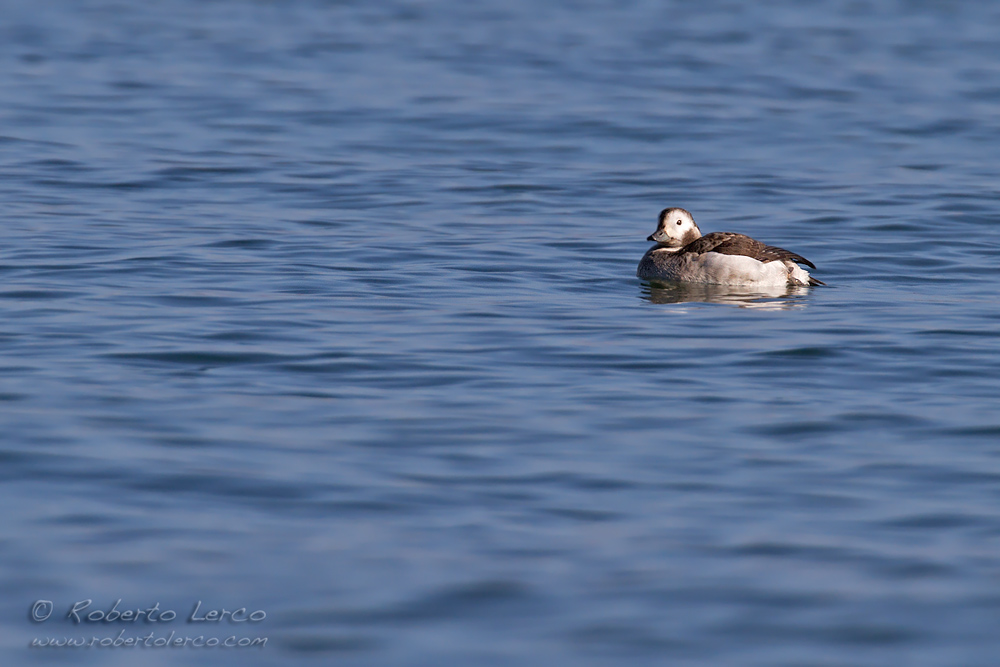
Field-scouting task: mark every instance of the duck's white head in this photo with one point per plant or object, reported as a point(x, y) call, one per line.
point(675, 229)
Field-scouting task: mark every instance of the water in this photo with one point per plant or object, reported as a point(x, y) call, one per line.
point(328, 310)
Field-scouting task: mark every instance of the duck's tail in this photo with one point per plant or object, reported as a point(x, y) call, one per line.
point(799, 276)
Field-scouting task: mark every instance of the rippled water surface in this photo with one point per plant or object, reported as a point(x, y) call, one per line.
point(329, 310)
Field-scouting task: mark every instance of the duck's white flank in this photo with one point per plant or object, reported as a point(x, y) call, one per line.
point(683, 254)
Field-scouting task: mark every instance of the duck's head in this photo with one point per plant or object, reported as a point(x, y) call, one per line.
point(675, 229)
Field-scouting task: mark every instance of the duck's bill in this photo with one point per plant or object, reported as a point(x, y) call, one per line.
point(663, 239)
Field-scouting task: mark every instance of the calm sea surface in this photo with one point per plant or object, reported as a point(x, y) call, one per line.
point(328, 310)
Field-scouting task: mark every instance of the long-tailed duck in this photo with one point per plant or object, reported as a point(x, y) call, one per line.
point(682, 254)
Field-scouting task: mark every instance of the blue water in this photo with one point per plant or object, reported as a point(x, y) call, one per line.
point(329, 310)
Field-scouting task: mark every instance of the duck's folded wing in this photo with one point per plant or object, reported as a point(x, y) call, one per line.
point(730, 243)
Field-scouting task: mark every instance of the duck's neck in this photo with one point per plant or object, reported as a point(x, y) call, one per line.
point(689, 236)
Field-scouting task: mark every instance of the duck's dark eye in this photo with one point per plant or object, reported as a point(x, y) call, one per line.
point(678, 222)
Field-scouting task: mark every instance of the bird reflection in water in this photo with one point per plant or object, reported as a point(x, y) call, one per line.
point(768, 298)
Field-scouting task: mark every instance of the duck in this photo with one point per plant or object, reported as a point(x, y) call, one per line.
point(683, 254)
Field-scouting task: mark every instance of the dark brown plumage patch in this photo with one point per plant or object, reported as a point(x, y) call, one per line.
point(730, 243)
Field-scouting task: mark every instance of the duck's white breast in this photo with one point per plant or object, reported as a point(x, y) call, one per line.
point(711, 267)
